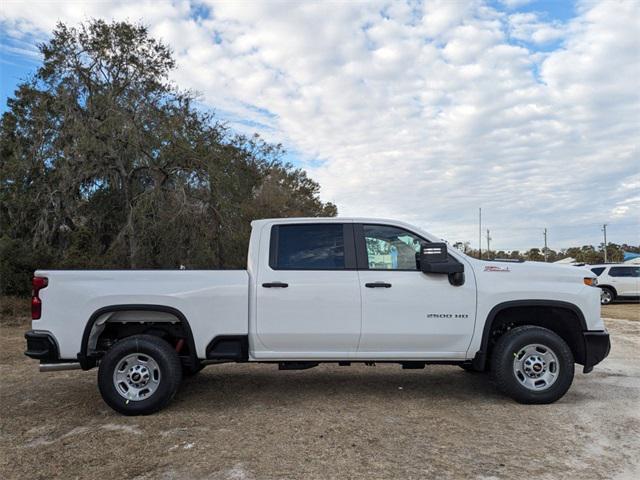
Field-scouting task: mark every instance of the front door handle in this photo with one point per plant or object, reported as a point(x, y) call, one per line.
point(275, 285)
point(378, 285)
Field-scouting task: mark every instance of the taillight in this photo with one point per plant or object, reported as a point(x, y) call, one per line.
point(38, 284)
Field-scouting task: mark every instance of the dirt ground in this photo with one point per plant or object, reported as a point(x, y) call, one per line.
point(626, 310)
point(254, 422)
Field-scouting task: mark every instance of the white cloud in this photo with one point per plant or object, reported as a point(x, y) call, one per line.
point(422, 112)
point(529, 28)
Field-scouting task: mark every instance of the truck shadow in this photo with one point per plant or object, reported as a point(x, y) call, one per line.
point(269, 387)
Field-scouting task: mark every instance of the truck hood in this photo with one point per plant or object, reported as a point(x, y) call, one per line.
point(538, 270)
point(500, 282)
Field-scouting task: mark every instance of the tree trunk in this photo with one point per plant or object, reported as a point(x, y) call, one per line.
point(132, 241)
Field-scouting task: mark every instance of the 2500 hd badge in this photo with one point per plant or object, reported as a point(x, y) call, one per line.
point(447, 315)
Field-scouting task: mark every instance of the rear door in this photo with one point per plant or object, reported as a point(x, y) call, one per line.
point(308, 295)
point(406, 313)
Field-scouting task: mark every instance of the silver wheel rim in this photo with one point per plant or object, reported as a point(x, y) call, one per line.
point(136, 377)
point(536, 367)
point(605, 296)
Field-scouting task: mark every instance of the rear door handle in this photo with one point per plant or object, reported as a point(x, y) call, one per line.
point(378, 285)
point(275, 285)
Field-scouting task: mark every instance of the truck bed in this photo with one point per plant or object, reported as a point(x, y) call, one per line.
point(214, 301)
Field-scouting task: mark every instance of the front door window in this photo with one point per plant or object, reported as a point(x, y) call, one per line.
point(391, 248)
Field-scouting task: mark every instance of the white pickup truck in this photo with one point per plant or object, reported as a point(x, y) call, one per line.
point(317, 290)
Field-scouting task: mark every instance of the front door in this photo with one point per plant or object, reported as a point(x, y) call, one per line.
point(308, 296)
point(406, 313)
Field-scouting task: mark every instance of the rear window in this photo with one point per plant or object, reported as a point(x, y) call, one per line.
point(598, 270)
point(307, 247)
point(624, 272)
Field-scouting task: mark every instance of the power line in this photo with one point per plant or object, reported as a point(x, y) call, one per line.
point(576, 225)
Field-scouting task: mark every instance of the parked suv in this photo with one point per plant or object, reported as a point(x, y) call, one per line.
point(617, 281)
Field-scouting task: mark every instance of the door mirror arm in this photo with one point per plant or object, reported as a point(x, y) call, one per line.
point(456, 279)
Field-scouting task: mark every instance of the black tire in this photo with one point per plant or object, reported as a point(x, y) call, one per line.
point(166, 369)
point(506, 353)
point(607, 296)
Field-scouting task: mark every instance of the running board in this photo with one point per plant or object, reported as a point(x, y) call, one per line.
point(58, 367)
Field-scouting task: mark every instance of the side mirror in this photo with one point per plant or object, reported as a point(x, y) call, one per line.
point(434, 259)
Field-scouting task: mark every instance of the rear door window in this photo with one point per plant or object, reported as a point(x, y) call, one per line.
point(622, 272)
point(308, 247)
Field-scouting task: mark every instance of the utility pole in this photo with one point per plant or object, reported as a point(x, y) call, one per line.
point(545, 245)
point(488, 242)
point(604, 229)
point(480, 233)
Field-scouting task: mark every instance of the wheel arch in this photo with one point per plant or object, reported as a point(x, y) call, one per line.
point(88, 361)
point(609, 287)
point(570, 314)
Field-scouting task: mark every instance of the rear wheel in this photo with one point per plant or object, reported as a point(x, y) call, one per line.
point(139, 375)
point(532, 365)
point(606, 296)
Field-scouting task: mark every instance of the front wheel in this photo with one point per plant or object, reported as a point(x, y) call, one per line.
point(532, 365)
point(139, 375)
point(606, 296)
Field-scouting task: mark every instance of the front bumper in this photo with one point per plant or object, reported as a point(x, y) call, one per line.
point(41, 346)
point(596, 348)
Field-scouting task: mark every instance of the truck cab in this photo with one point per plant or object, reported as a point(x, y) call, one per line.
point(354, 290)
point(340, 290)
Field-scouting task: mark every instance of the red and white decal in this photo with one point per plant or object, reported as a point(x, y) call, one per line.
point(494, 268)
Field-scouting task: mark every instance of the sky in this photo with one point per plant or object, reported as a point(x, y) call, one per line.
point(423, 112)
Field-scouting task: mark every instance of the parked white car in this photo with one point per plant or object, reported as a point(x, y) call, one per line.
point(322, 290)
point(617, 281)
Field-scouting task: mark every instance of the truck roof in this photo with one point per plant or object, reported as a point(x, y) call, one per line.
point(386, 221)
point(327, 220)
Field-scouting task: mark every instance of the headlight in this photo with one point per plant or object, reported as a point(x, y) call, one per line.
point(590, 281)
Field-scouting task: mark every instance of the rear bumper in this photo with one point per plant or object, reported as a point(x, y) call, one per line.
point(41, 346)
point(596, 348)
